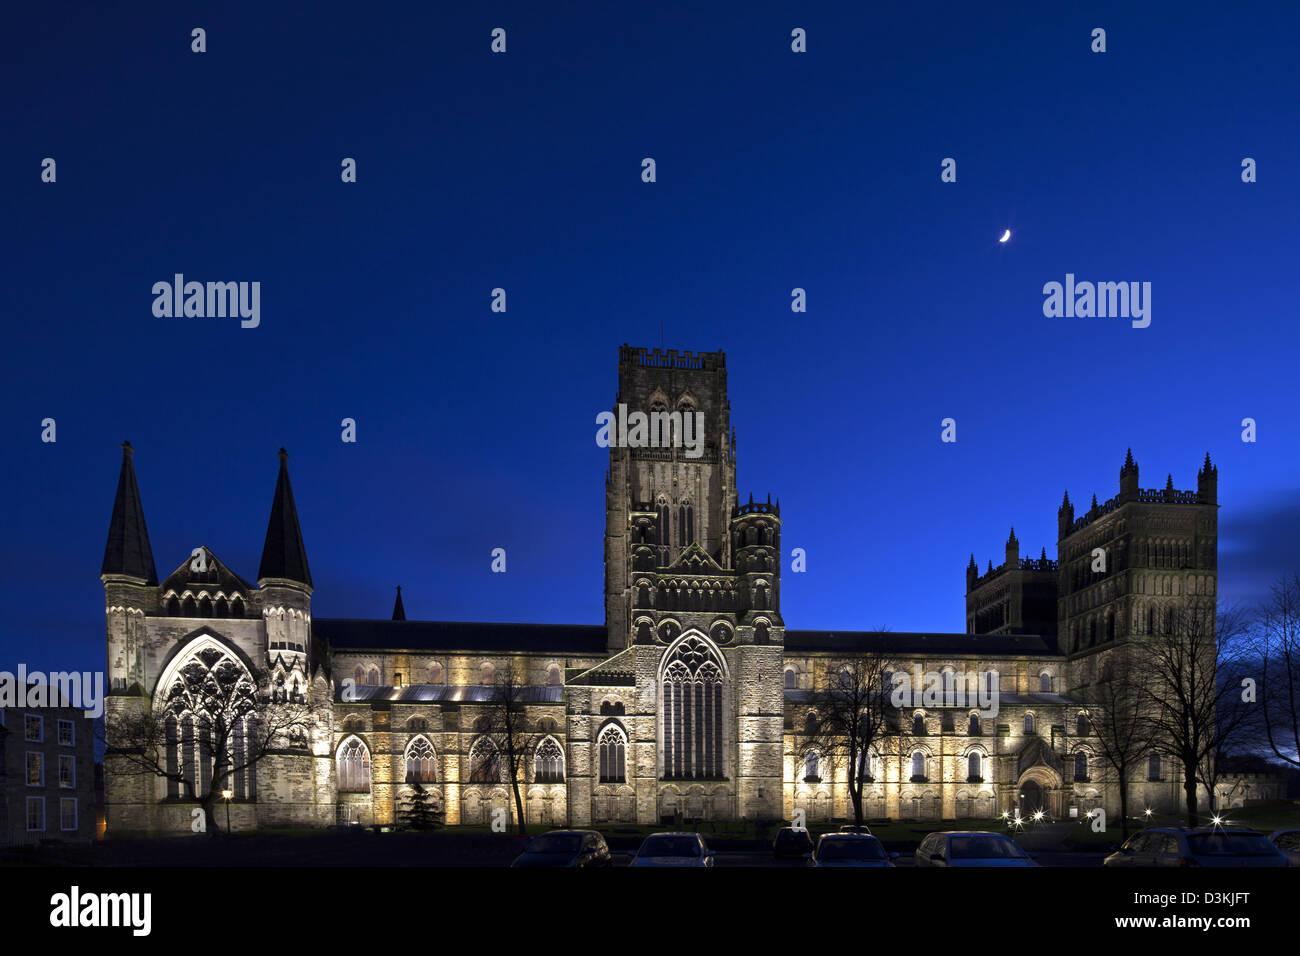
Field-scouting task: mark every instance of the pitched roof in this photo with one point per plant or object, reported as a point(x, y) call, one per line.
point(283, 554)
point(915, 643)
point(128, 550)
point(588, 640)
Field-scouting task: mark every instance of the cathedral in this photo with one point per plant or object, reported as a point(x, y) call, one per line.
point(687, 704)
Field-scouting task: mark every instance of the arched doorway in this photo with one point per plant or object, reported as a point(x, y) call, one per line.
point(1031, 798)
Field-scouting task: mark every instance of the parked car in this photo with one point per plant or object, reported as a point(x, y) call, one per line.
point(855, 828)
point(673, 849)
point(1197, 846)
point(1288, 841)
point(971, 848)
point(791, 842)
point(850, 849)
point(565, 848)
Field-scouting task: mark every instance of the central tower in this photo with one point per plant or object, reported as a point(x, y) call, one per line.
point(674, 494)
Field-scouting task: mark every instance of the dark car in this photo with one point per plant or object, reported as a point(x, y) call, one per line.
point(791, 842)
point(673, 849)
point(856, 828)
point(1288, 841)
point(565, 848)
point(1197, 846)
point(850, 849)
point(962, 848)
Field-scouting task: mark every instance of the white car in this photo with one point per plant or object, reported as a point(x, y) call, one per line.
point(673, 849)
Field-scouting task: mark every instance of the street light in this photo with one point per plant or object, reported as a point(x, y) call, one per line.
point(226, 795)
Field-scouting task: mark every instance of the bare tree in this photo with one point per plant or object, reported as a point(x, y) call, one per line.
point(1118, 713)
point(848, 713)
point(506, 728)
point(235, 720)
point(1276, 644)
point(1192, 664)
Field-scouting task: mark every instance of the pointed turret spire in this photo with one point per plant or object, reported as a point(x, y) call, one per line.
point(399, 612)
point(128, 551)
point(283, 554)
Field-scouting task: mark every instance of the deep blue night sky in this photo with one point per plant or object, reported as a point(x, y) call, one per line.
point(775, 170)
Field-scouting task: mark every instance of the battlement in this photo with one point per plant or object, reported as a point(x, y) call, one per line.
point(1025, 564)
point(758, 508)
point(671, 358)
point(1168, 496)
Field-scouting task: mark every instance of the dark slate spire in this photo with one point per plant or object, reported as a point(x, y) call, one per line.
point(283, 555)
point(128, 551)
point(399, 612)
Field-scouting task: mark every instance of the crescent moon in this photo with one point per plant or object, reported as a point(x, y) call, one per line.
point(1005, 236)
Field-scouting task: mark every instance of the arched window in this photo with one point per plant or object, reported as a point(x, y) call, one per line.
point(221, 608)
point(692, 724)
point(359, 676)
point(685, 523)
point(918, 766)
point(435, 673)
point(236, 606)
point(974, 767)
point(485, 762)
point(789, 678)
point(1153, 766)
point(1081, 726)
point(662, 532)
point(810, 725)
point(810, 767)
point(1044, 683)
point(613, 755)
point(1029, 723)
point(188, 607)
point(354, 766)
point(991, 682)
point(553, 675)
point(864, 767)
point(1080, 766)
point(918, 725)
point(421, 766)
point(205, 606)
point(846, 679)
point(973, 729)
point(173, 606)
point(373, 676)
point(486, 674)
point(548, 762)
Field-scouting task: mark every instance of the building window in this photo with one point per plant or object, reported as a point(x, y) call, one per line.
point(485, 762)
point(947, 722)
point(67, 771)
point(33, 728)
point(35, 814)
point(68, 813)
point(548, 762)
point(553, 675)
point(67, 733)
point(35, 769)
point(685, 524)
point(864, 767)
point(435, 673)
point(1044, 683)
point(918, 767)
point(1081, 726)
point(789, 678)
point(421, 765)
point(1153, 767)
point(1081, 766)
point(974, 768)
point(1029, 723)
point(973, 729)
point(354, 767)
point(613, 755)
point(918, 725)
point(692, 692)
point(486, 674)
point(373, 676)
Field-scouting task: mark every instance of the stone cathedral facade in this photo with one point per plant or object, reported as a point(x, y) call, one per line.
point(688, 703)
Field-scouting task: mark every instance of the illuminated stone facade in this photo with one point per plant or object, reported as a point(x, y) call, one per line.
point(688, 702)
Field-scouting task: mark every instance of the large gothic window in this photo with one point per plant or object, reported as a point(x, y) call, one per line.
point(685, 523)
point(548, 763)
point(421, 766)
point(613, 755)
point(354, 766)
point(662, 531)
point(485, 765)
point(692, 713)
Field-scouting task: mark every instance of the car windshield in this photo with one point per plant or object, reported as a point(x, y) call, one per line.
point(670, 846)
point(556, 843)
point(984, 847)
point(1230, 844)
point(850, 850)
